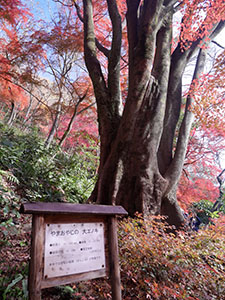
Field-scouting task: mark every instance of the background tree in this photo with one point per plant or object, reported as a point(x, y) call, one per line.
point(62, 44)
point(83, 107)
point(204, 157)
point(19, 57)
point(142, 150)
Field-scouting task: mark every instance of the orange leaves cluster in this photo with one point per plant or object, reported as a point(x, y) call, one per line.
point(19, 52)
point(11, 93)
point(209, 98)
point(199, 16)
point(194, 190)
point(12, 15)
point(201, 168)
point(10, 10)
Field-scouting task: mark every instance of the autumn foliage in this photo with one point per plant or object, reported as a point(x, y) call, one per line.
point(162, 266)
point(43, 78)
point(19, 54)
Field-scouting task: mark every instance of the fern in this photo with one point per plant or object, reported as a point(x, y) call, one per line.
point(9, 176)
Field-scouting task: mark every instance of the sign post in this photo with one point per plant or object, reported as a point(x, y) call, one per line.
point(72, 242)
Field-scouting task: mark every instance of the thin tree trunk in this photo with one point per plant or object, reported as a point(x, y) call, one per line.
point(12, 115)
point(28, 111)
point(75, 113)
point(69, 127)
point(54, 125)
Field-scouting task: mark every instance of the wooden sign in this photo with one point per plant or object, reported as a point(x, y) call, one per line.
point(73, 248)
point(72, 242)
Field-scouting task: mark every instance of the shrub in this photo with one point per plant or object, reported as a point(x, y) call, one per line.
point(46, 174)
point(205, 212)
point(9, 203)
point(158, 265)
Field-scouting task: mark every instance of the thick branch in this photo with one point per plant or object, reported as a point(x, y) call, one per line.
point(78, 11)
point(179, 60)
point(161, 69)
point(169, 5)
point(132, 29)
point(91, 60)
point(174, 171)
point(114, 58)
point(100, 47)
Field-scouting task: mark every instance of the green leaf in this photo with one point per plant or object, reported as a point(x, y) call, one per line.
point(13, 283)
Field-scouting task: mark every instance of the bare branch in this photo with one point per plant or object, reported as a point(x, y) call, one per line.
point(101, 48)
point(85, 108)
point(217, 44)
point(78, 11)
point(115, 53)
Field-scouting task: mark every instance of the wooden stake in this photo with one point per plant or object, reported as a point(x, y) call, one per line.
point(36, 262)
point(114, 260)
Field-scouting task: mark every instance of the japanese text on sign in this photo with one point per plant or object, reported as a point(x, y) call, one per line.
point(73, 248)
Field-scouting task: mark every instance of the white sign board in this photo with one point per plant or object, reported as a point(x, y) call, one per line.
point(73, 248)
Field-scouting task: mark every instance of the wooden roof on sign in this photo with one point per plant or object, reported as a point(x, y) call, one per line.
point(70, 208)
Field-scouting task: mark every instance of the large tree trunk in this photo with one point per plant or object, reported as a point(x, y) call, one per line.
point(139, 168)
